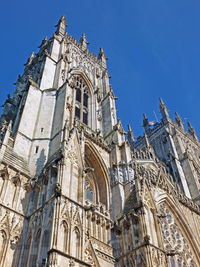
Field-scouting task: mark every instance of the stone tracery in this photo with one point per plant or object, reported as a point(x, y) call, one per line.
point(175, 242)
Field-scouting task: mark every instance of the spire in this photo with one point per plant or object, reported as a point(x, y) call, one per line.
point(84, 41)
point(44, 42)
point(130, 135)
point(102, 57)
point(146, 124)
point(178, 120)
point(30, 59)
point(164, 111)
point(61, 26)
point(192, 131)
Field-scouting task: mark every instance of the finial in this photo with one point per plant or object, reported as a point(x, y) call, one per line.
point(61, 26)
point(84, 41)
point(178, 120)
point(44, 42)
point(30, 59)
point(164, 111)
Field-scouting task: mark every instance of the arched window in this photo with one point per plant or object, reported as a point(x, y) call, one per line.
point(82, 99)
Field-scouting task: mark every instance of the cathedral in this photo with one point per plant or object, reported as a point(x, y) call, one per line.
point(75, 188)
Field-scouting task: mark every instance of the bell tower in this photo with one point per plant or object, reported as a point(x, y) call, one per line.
point(55, 126)
point(75, 188)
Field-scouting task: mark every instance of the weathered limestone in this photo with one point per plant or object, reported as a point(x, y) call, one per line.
point(73, 190)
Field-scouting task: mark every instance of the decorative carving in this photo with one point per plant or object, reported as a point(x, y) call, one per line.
point(175, 242)
point(58, 189)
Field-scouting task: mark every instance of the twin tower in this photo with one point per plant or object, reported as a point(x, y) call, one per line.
point(75, 189)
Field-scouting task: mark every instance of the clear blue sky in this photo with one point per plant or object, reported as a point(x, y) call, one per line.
point(153, 48)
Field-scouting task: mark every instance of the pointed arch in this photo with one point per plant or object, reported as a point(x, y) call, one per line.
point(83, 98)
point(180, 220)
point(100, 173)
point(86, 79)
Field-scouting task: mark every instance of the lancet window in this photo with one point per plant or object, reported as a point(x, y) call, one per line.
point(82, 100)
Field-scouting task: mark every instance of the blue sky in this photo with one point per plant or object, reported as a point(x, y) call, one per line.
point(153, 48)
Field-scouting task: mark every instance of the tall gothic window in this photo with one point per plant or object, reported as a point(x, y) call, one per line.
point(82, 97)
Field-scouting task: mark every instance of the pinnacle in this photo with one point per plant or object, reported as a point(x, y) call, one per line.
point(144, 116)
point(61, 26)
point(84, 39)
point(129, 128)
point(161, 101)
point(30, 59)
point(63, 20)
point(101, 53)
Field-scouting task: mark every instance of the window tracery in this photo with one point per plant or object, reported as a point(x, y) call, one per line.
point(82, 99)
point(174, 240)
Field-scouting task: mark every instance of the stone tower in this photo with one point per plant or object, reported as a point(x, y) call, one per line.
point(74, 191)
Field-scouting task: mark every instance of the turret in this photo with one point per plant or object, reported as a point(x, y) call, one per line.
point(164, 111)
point(61, 27)
point(178, 120)
point(84, 41)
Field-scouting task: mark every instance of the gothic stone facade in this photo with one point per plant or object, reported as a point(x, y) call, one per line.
point(73, 190)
